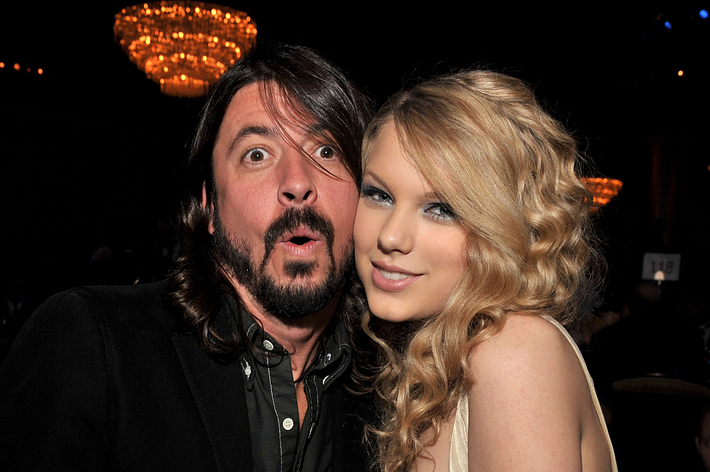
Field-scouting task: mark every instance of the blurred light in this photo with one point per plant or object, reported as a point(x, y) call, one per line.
point(680, 73)
point(16, 66)
point(177, 42)
point(603, 189)
point(667, 24)
point(704, 14)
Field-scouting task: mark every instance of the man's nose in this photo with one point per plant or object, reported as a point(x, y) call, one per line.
point(297, 186)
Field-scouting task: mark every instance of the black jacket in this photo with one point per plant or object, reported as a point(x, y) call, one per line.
point(101, 379)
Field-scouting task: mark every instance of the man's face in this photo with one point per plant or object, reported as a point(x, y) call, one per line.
point(282, 225)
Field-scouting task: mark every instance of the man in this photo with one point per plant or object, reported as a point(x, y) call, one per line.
point(237, 362)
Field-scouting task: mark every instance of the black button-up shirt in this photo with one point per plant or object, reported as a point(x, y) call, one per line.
point(277, 443)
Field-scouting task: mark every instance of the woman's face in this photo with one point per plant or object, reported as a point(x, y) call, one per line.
point(409, 248)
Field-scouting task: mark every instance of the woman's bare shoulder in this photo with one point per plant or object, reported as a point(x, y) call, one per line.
point(524, 400)
point(524, 342)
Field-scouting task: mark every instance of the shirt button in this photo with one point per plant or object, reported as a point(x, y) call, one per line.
point(268, 345)
point(288, 424)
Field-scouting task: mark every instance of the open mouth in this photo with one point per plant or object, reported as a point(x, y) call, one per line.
point(303, 242)
point(300, 240)
point(301, 236)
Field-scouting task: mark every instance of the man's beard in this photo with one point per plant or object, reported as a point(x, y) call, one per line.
point(285, 301)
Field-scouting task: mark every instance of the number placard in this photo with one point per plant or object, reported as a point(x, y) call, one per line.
point(660, 266)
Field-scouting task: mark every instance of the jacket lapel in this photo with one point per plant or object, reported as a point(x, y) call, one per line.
point(219, 393)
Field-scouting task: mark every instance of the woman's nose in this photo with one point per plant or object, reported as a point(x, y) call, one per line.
point(397, 233)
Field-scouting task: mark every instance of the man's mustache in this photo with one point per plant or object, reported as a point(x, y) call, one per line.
point(292, 219)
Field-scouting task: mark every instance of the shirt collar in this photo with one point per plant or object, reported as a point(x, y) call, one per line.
point(334, 359)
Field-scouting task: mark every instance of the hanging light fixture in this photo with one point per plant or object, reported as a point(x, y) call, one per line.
point(184, 46)
point(603, 189)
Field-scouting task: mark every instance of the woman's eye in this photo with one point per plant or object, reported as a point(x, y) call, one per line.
point(441, 211)
point(376, 195)
point(326, 152)
point(255, 155)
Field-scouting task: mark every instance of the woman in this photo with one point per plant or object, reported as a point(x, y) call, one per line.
point(472, 244)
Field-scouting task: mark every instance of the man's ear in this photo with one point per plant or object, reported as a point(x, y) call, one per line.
point(210, 228)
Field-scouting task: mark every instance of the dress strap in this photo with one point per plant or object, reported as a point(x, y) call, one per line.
point(590, 382)
point(458, 453)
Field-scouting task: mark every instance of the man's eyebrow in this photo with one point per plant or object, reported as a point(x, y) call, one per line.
point(317, 129)
point(251, 131)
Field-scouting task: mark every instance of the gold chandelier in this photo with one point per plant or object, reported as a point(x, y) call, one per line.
point(184, 46)
point(603, 189)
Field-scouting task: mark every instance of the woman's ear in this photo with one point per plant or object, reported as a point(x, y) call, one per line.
point(210, 228)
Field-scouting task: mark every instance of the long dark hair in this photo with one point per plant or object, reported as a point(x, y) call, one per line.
point(323, 100)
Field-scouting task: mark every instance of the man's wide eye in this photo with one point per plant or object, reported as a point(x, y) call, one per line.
point(325, 152)
point(255, 155)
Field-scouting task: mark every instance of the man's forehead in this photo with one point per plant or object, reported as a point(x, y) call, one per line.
point(258, 106)
point(247, 102)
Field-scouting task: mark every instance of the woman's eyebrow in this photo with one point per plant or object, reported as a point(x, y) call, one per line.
point(375, 177)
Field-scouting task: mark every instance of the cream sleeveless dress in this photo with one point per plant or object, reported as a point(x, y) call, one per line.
point(458, 454)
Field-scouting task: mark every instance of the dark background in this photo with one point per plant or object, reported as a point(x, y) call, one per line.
point(90, 150)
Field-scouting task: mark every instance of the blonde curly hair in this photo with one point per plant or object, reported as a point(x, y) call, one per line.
point(508, 170)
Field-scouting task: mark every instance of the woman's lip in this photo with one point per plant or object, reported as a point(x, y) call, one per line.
point(392, 268)
point(392, 278)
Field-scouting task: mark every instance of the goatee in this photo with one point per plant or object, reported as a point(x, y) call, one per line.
point(290, 300)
